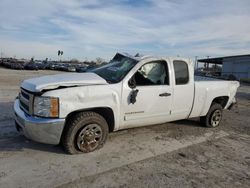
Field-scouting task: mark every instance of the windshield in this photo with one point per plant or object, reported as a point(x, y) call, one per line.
point(116, 69)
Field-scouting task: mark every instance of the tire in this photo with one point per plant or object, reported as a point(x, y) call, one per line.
point(213, 117)
point(85, 132)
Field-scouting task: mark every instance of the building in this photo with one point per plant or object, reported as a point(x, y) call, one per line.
point(238, 65)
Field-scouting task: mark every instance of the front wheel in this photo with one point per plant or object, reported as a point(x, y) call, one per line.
point(85, 132)
point(213, 117)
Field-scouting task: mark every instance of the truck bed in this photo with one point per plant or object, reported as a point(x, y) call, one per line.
point(207, 89)
point(204, 78)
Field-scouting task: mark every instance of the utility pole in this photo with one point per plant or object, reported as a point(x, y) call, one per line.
point(60, 53)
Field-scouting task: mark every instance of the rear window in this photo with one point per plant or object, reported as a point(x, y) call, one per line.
point(181, 72)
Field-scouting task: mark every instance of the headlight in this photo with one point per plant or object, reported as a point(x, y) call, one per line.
point(46, 106)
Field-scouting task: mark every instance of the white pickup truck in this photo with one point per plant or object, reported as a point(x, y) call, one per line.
point(80, 109)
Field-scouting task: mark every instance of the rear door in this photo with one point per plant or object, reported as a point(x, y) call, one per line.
point(183, 87)
point(153, 100)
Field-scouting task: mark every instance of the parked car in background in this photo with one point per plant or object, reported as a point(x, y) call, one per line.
point(68, 66)
point(50, 65)
point(71, 68)
point(81, 69)
point(31, 66)
point(13, 63)
point(41, 65)
point(17, 66)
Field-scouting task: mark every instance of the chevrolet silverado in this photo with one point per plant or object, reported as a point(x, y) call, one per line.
point(78, 110)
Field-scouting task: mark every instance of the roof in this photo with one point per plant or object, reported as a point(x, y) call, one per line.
point(137, 57)
point(140, 57)
point(219, 60)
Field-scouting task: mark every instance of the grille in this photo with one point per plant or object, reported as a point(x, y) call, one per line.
point(26, 100)
point(25, 95)
point(24, 106)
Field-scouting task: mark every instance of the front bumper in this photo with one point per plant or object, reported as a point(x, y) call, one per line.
point(44, 130)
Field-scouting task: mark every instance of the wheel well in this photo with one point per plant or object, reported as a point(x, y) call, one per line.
point(221, 100)
point(105, 112)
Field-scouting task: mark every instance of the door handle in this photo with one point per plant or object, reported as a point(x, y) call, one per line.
point(164, 94)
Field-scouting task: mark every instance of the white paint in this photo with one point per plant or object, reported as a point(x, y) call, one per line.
point(192, 99)
point(67, 79)
point(207, 90)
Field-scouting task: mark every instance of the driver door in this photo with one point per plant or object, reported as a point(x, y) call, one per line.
point(152, 103)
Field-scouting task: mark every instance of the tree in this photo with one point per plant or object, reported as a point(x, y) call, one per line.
point(99, 61)
point(32, 60)
point(74, 61)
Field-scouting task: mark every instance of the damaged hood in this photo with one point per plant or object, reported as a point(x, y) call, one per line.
point(62, 80)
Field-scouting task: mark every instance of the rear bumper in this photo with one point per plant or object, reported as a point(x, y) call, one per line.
point(43, 130)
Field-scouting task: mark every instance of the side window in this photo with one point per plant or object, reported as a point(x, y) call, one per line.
point(153, 73)
point(181, 72)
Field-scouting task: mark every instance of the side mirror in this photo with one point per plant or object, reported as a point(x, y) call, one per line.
point(132, 83)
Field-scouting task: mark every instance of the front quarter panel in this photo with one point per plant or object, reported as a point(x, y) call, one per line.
point(88, 97)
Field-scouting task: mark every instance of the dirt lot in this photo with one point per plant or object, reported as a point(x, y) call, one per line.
point(177, 154)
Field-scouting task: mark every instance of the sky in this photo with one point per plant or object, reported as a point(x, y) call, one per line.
point(86, 29)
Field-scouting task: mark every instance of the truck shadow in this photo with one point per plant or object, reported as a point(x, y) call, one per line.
point(189, 122)
point(20, 143)
point(11, 140)
point(6, 111)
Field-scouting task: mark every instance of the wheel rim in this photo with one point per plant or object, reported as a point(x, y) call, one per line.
point(89, 138)
point(216, 118)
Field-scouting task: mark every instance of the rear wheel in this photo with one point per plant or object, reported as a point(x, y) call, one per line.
point(213, 117)
point(85, 132)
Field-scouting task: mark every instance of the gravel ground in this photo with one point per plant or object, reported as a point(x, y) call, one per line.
point(176, 154)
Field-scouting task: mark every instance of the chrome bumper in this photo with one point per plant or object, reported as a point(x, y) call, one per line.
point(42, 130)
